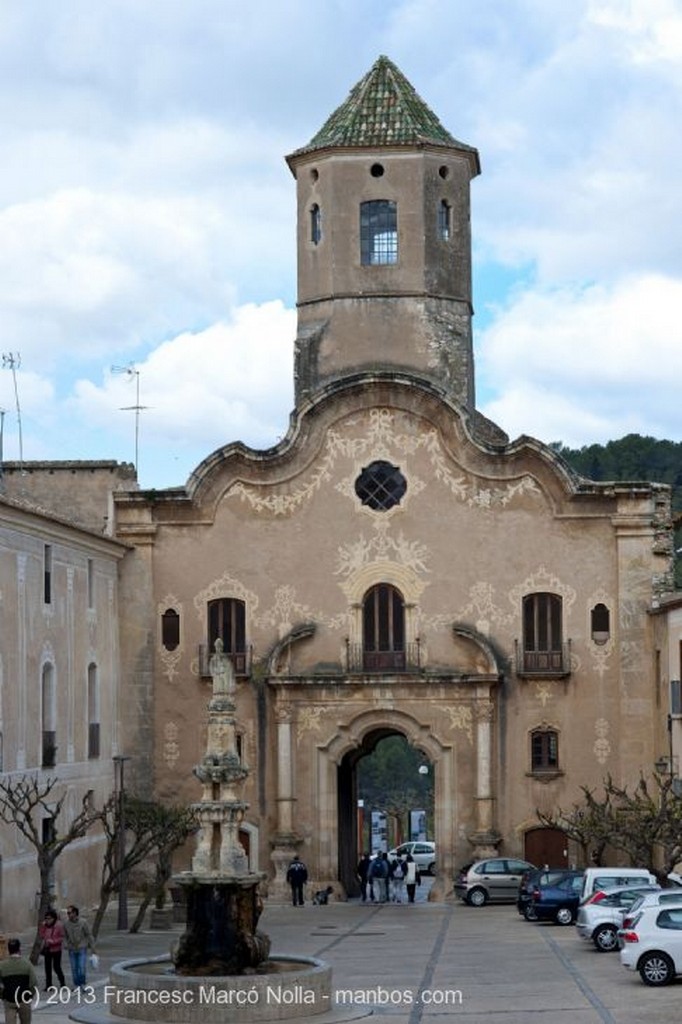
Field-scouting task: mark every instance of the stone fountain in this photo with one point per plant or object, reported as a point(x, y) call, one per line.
point(223, 902)
point(221, 969)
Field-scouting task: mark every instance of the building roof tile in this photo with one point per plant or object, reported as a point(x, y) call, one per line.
point(383, 109)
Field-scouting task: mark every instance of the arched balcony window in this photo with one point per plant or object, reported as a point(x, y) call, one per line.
point(383, 629)
point(227, 620)
point(542, 650)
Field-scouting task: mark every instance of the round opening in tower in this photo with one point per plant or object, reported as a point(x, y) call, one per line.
point(376, 170)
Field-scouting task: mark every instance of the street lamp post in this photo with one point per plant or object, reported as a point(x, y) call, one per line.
point(119, 792)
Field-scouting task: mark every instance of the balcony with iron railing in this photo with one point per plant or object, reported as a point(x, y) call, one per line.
point(360, 659)
point(552, 663)
point(241, 661)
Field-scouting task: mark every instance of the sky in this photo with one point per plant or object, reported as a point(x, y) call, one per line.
point(147, 215)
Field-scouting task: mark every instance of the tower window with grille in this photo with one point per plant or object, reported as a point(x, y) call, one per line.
point(380, 486)
point(378, 232)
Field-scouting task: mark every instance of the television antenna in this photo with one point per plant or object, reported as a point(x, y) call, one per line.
point(12, 360)
point(131, 371)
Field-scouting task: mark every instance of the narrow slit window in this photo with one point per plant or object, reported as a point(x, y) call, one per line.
point(601, 625)
point(444, 220)
point(47, 574)
point(170, 629)
point(315, 224)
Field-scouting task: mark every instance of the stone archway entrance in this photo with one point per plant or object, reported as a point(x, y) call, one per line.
point(351, 817)
point(338, 762)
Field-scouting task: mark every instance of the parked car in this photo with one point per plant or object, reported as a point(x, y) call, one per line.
point(423, 854)
point(532, 880)
point(495, 880)
point(659, 898)
point(558, 901)
point(596, 879)
point(600, 917)
point(652, 944)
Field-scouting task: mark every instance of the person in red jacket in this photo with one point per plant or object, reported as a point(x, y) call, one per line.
point(52, 937)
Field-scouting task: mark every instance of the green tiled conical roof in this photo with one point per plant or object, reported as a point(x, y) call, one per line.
point(383, 109)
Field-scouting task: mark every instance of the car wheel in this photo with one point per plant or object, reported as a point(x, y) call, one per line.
point(477, 897)
point(432, 868)
point(605, 938)
point(529, 912)
point(564, 915)
point(656, 969)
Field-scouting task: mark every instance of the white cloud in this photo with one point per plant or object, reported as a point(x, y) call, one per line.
point(143, 195)
point(231, 381)
point(587, 364)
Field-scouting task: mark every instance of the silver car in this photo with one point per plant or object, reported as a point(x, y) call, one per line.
point(600, 917)
point(495, 880)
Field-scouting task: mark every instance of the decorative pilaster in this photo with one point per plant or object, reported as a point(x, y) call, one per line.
point(485, 838)
point(286, 841)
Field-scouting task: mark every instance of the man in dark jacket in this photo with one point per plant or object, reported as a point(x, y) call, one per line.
point(19, 985)
point(362, 872)
point(297, 876)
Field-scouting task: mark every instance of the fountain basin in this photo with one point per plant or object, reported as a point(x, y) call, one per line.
point(285, 987)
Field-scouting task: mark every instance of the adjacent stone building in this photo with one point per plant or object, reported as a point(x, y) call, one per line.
point(59, 693)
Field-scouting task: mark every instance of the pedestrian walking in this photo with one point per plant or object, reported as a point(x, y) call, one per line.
point(52, 939)
point(297, 876)
point(397, 881)
point(378, 876)
point(362, 872)
point(79, 941)
point(19, 985)
point(413, 877)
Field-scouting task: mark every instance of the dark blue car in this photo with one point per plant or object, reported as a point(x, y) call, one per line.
point(558, 901)
point(532, 880)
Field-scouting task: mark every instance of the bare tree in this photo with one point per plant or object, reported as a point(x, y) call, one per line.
point(176, 824)
point(148, 827)
point(645, 824)
point(589, 824)
point(649, 823)
point(24, 803)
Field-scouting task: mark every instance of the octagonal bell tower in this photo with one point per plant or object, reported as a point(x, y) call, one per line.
point(384, 244)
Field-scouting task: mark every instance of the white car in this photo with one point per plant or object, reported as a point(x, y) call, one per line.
point(600, 917)
point(423, 854)
point(652, 944)
point(661, 898)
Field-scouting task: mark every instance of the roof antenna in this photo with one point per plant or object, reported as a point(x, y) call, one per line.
point(131, 372)
point(13, 361)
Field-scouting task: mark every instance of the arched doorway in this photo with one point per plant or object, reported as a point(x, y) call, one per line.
point(385, 781)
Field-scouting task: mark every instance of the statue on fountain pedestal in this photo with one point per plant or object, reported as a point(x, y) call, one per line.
point(222, 672)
